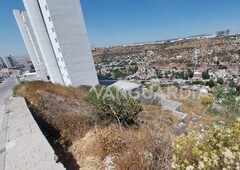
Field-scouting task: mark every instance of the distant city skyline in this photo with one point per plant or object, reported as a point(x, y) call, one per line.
point(111, 23)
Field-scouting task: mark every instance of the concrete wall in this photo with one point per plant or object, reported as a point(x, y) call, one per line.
point(178, 112)
point(159, 99)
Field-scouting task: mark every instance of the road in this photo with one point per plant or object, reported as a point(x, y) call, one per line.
point(5, 92)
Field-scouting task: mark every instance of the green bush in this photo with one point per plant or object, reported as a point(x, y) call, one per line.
point(113, 106)
point(205, 75)
point(220, 81)
point(215, 148)
point(197, 82)
point(228, 101)
point(207, 101)
point(190, 73)
point(238, 90)
point(210, 83)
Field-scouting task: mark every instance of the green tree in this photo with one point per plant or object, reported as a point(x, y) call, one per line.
point(210, 83)
point(196, 82)
point(159, 73)
point(220, 81)
point(132, 69)
point(166, 75)
point(238, 90)
point(231, 83)
point(205, 75)
point(118, 74)
point(190, 73)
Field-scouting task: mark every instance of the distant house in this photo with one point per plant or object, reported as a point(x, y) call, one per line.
point(179, 57)
point(5, 72)
point(197, 75)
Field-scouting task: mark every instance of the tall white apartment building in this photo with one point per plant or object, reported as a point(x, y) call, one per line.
point(55, 35)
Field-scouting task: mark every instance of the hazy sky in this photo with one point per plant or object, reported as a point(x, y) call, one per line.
point(117, 22)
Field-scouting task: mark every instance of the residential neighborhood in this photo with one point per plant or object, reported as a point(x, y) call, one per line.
point(193, 64)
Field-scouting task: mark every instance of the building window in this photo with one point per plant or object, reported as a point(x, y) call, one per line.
point(53, 30)
point(62, 59)
point(59, 50)
point(46, 7)
point(56, 40)
point(49, 18)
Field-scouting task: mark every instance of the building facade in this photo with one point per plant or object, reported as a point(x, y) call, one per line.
point(9, 62)
point(55, 35)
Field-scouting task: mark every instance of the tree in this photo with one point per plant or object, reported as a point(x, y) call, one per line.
point(220, 81)
point(238, 90)
point(118, 74)
point(166, 75)
point(197, 82)
point(190, 73)
point(222, 67)
point(231, 83)
point(210, 83)
point(132, 69)
point(205, 75)
point(159, 73)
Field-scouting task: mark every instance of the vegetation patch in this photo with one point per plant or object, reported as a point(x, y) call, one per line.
point(91, 131)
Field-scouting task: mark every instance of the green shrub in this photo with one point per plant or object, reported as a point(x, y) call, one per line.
point(210, 83)
point(215, 148)
point(205, 75)
point(207, 101)
point(220, 81)
point(228, 101)
point(114, 106)
point(197, 82)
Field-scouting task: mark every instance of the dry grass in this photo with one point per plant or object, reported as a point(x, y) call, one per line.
point(146, 146)
point(134, 148)
point(63, 107)
point(155, 116)
point(30, 91)
point(191, 100)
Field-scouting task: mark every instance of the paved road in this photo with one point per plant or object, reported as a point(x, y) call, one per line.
point(5, 92)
